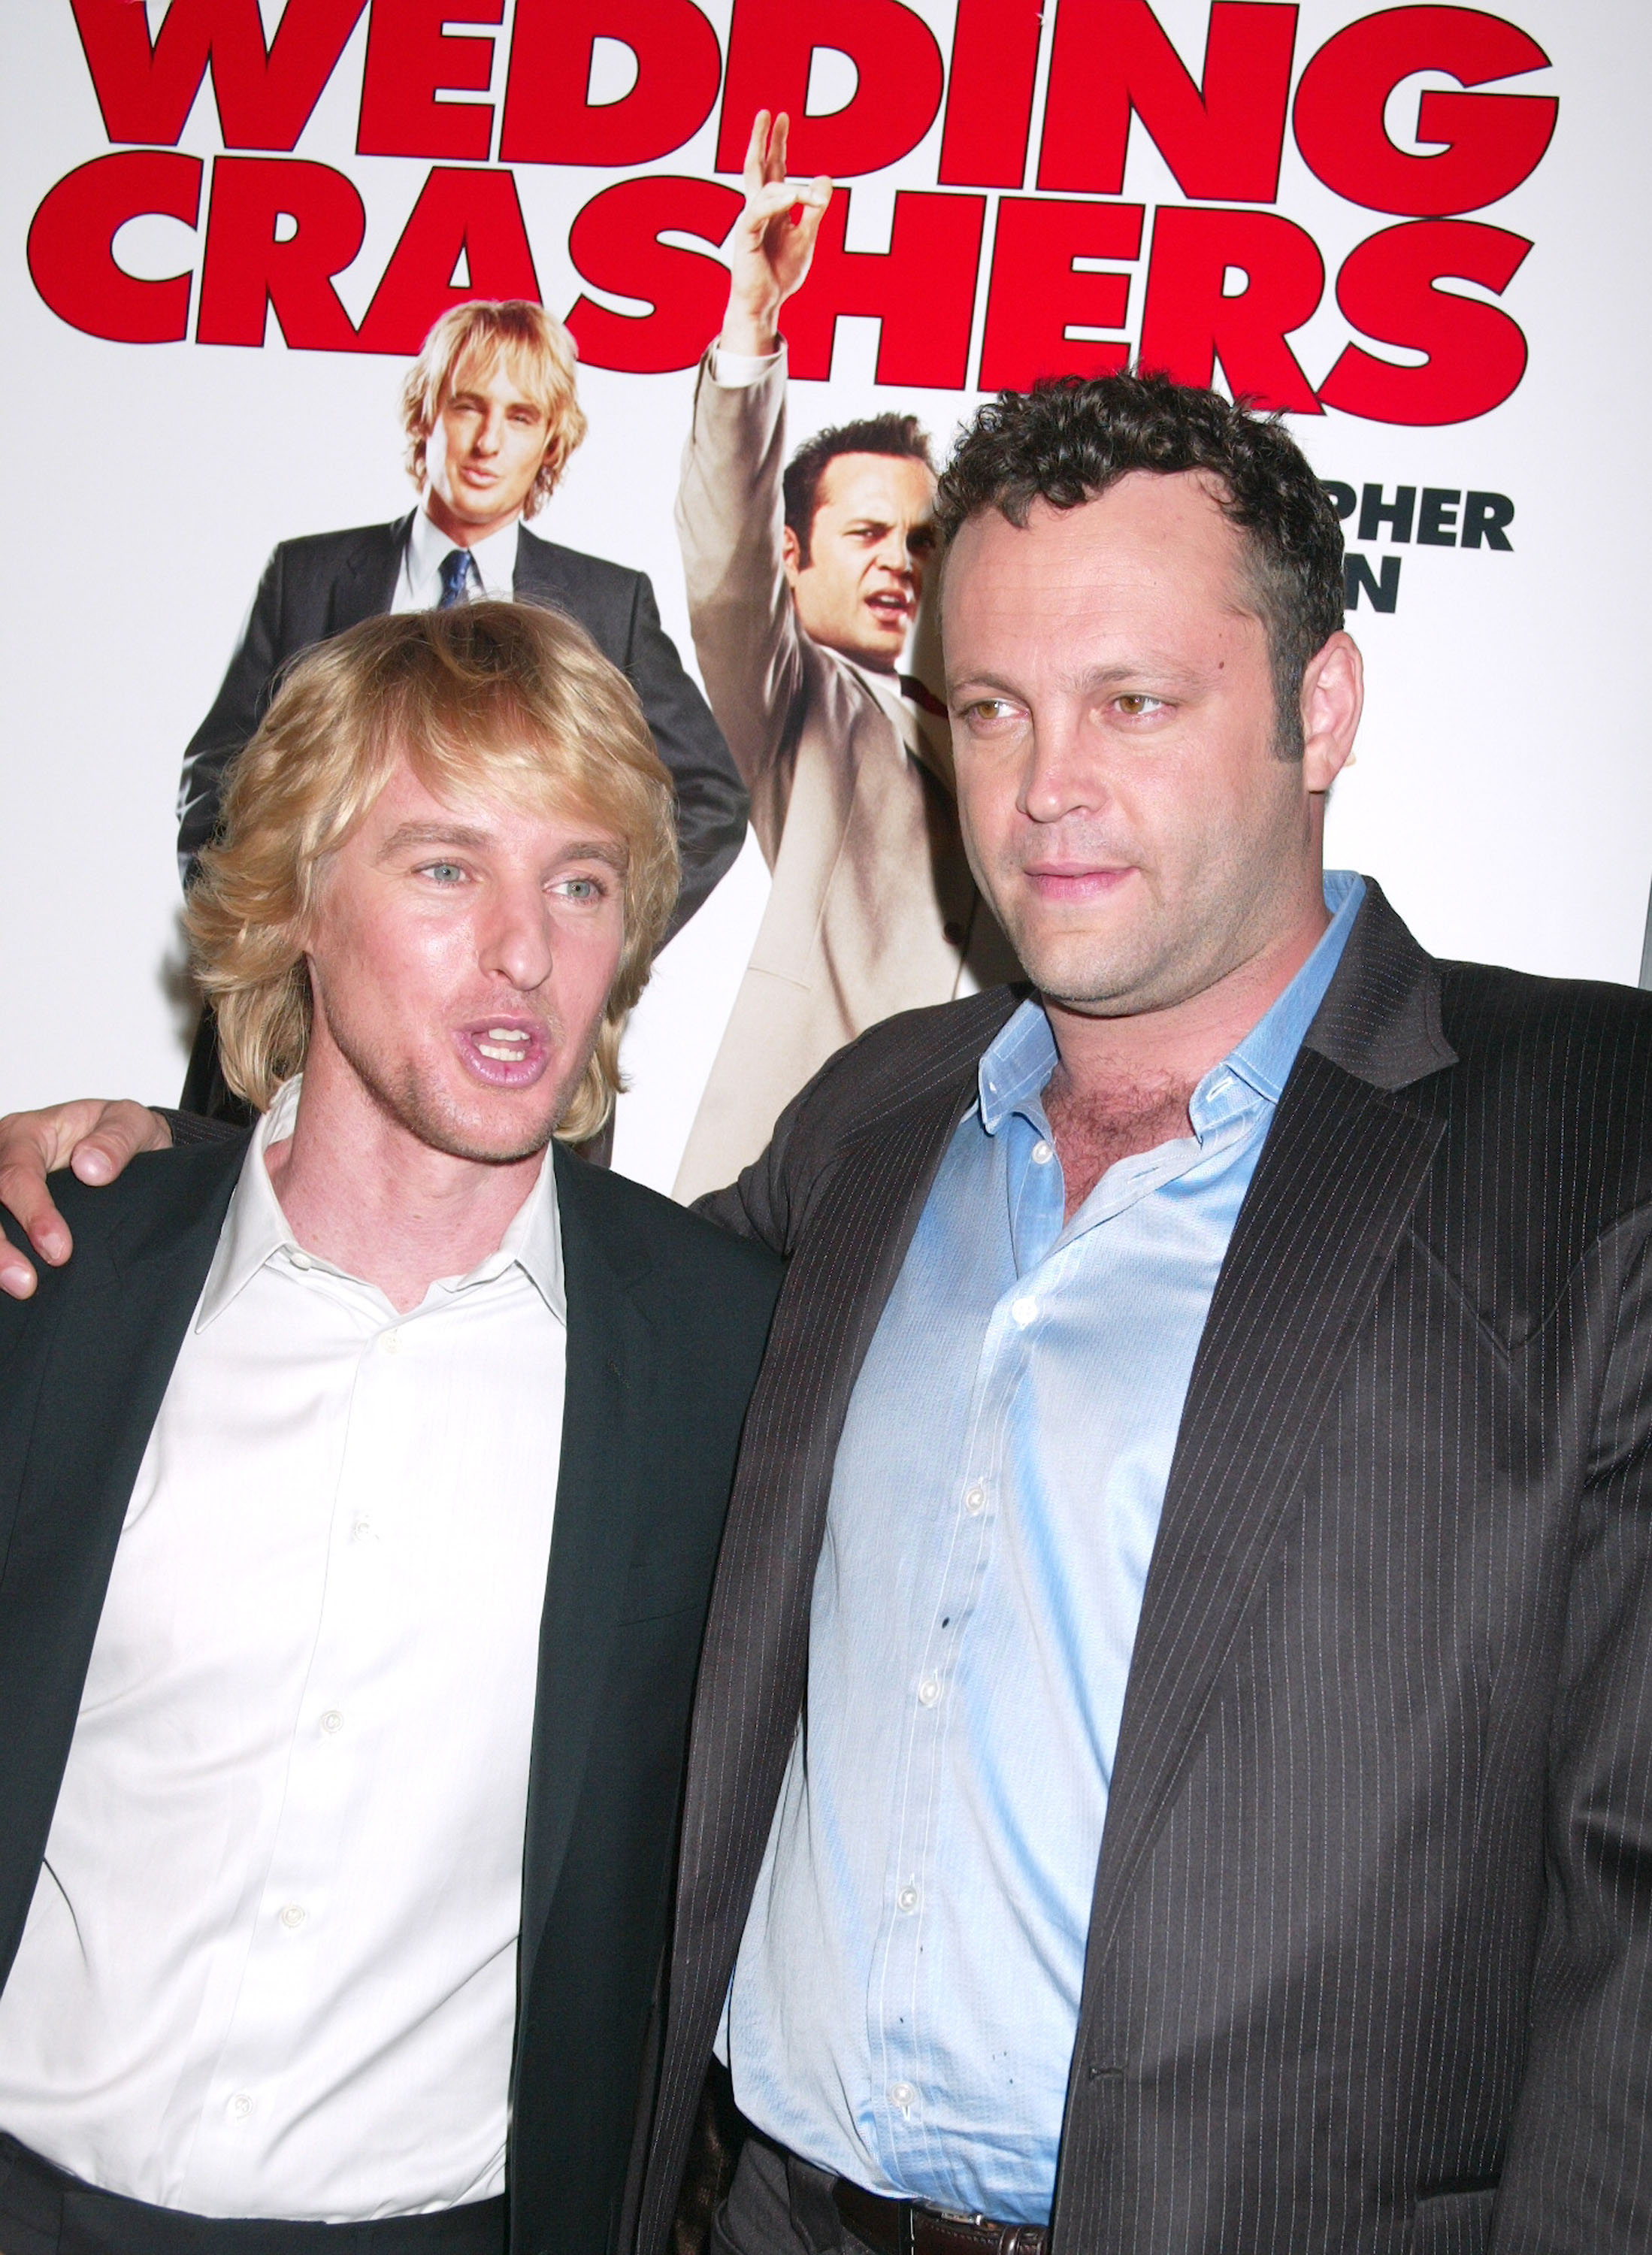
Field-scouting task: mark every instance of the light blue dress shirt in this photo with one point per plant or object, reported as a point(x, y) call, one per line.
point(903, 2007)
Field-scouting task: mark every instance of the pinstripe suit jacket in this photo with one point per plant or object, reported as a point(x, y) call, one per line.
point(1369, 1952)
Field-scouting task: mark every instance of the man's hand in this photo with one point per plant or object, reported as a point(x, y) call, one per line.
point(94, 1138)
point(770, 251)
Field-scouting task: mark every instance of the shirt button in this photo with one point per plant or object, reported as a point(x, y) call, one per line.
point(390, 1342)
point(902, 2094)
point(928, 1690)
point(300, 1259)
point(907, 1899)
point(1042, 1153)
point(240, 2106)
point(292, 1917)
point(362, 1530)
point(1023, 1312)
point(975, 1499)
point(332, 1722)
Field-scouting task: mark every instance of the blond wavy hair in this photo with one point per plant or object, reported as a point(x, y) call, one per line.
point(471, 340)
point(501, 697)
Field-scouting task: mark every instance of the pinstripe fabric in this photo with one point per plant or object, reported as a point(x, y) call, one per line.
point(1370, 1936)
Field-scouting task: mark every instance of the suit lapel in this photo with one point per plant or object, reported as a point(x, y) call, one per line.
point(1354, 1140)
point(84, 1416)
point(366, 587)
point(537, 574)
point(606, 1431)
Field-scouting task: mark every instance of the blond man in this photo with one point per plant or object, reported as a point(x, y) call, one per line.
point(491, 416)
point(360, 1489)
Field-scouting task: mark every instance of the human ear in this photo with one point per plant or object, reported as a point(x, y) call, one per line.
point(1333, 698)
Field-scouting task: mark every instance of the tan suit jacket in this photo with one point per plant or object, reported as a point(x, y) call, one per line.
point(872, 908)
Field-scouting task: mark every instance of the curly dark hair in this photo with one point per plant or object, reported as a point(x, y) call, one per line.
point(1069, 437)
point(901, 435)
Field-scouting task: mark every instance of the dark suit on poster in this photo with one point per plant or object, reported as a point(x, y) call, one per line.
point(666, 1320)
point(1369, 1966)
point(319, 585)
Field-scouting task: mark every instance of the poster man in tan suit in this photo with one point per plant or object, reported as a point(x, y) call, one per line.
point(804, 595)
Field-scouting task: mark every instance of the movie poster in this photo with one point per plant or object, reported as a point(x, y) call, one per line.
point(1418, 231)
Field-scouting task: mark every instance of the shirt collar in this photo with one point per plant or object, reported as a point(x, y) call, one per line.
point(1264, 1058)
point(428, 546)
point(256, 1231)
point(1014, 1070)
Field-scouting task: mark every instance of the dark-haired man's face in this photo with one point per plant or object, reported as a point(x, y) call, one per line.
point(1124, 805)
point(873, 534)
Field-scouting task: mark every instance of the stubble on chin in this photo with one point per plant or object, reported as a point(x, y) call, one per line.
point(416, 1103)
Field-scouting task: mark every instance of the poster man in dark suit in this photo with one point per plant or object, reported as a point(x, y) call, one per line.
point(1195, 1517)
point(491, 416)
point(360, 1489)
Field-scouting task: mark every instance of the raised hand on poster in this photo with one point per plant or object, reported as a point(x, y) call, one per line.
point(773, 241)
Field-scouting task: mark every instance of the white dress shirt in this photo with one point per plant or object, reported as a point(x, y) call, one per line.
point(418, 584)
point(270, 1968)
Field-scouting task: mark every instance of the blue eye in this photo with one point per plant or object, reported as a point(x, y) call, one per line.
point(445, 873)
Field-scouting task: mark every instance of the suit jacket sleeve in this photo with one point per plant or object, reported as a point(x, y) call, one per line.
point(235, 712)
point(711, 799)
point(1576, 2179)
point(729, 523)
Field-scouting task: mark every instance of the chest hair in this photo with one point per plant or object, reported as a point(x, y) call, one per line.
point(1095, 1127)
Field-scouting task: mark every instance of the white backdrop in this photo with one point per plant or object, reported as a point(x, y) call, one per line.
point(1504, 789)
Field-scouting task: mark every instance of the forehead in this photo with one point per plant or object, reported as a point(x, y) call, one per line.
point(891, 487)
point(497, 373)
point(1154, 553)
point(510, 808)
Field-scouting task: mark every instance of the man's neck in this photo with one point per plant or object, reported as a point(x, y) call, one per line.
point(364, 1193)
point(1123, 1084)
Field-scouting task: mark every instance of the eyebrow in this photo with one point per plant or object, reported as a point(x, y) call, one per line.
point(460, 835)
point(1099, 677)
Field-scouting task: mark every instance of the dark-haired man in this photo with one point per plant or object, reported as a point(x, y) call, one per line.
point(803, 594)
point(1168, 1773)
point(1169, 1767)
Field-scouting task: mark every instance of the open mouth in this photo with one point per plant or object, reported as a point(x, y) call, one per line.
point(892, 610)
point(505, 1053)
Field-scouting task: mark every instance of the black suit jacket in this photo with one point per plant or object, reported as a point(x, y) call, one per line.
point(1370, 1958)
point(317, 586)
point(666, 1321)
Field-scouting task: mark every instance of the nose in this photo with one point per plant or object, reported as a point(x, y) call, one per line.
point(514, 942)
point(895, 552)
point(490, 431)
point(1062, 776)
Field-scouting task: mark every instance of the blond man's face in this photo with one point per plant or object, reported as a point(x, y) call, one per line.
point(462, 953)
point(484, 450)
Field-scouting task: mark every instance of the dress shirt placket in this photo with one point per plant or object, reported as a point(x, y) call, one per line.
point(1050, 1256)
point(334, 1731)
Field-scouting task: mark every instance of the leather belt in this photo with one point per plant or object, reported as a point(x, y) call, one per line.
point(902, 2227)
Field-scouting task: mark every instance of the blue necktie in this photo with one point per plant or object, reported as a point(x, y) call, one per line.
point(459, 570)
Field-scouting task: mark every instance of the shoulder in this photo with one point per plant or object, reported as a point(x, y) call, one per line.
point(161, 1202)
point(317, 554)
point(1557, 1034)
point(677, 1255)
point(1554, 1087)
point(902, 1061)
point(572, 573)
